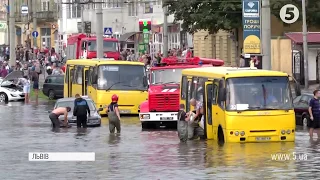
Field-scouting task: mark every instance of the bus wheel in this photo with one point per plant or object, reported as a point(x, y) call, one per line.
point(220, 135)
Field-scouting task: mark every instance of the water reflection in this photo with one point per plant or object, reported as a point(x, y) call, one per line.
point(114, 139)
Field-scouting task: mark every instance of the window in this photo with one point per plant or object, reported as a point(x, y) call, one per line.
point(67, 74)
point(132, 9)
point(90, 75)
point(121, 77)
point(107, 46)
point(78, 75)
point(74, 9)
point(95, 76)
point(184, 87)
point(296, 99)
point(258, 93)
point(54, 80)
point(45, 31)
point(221, 102)
point(148, 7)
point(194, 87)
point(45, 5)
point(214, 93)
point(166, 76)
point(305, 99)
point(189, 96)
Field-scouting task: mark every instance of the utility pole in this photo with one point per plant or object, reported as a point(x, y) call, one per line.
point(34, 18)
point(8, 29)
point(99, 30)
point(82, 21)
point(12, 21)
point(165, 31)
point(60, 26)
point(266, 34)
point(305, 45)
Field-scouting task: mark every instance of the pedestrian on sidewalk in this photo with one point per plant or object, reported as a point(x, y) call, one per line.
point(314, 112)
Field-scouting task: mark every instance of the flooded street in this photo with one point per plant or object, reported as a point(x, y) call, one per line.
point(137, 154)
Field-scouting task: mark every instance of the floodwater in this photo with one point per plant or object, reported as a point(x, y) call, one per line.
point(137, 154)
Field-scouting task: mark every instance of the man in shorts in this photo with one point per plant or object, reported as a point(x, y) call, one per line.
point(54, 116)
point(314, 112)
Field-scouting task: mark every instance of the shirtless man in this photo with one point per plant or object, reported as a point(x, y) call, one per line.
point(54, 116)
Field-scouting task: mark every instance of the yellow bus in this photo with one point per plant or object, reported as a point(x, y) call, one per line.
point(241, 104)
point(100, 79)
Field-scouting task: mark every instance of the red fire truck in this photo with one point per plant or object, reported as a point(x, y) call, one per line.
point(81, 46)
point(162, 105)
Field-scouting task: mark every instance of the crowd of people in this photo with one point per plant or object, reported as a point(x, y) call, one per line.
point(151, 59)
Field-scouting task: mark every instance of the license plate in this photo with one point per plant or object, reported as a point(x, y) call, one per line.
point(125, 111)
point(166, 118)
point(263, 138)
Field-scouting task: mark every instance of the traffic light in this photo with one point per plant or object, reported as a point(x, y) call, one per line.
point(145, 26)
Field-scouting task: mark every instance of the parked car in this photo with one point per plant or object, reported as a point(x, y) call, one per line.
point(9, 91)
point(93, 120)
point(53, 86)
point(301, 105)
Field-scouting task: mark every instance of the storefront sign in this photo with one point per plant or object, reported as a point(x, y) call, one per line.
point(251, 26)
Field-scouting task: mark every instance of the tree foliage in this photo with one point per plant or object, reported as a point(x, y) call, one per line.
point(213, 15)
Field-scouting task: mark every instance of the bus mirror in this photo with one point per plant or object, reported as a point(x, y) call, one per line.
point(145, 81)
point(297, 87)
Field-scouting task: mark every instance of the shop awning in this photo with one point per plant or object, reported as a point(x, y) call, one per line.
point(297, 37)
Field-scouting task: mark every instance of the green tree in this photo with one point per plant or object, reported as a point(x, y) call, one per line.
point(213, 15)
point(206, 14)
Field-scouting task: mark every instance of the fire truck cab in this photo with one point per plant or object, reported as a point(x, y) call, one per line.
point(81, 46)
point(162, 106)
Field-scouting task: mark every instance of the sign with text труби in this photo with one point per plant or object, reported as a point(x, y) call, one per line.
point(251, 26)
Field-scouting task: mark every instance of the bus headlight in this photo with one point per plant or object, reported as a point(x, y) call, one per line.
point(288, 131)
point(236, 133)
point(145, 116)
point(242, 133)
point(283, 132)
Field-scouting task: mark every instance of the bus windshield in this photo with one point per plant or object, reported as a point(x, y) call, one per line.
point(121, 77)
point(108, 46)
point(165, 76)
point(258, 93)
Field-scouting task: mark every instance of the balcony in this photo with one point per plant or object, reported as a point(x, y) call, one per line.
point(20, 18)
point(47, 16)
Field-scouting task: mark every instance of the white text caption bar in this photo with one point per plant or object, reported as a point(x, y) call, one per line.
point(62, 156)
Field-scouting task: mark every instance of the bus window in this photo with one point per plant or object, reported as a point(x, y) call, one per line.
point(200, 89)
point(90, 76)
point(188, 96)
point(194, 87)
point(78, 75)
point(94, 76)
point(214, 93)
point(184, 87)
point(221, 103)
point(67, 74)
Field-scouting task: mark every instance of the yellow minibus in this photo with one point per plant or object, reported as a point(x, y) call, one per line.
point(100, 79)
point(241, 104)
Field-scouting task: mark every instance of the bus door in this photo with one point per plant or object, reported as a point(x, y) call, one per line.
point(92, 83)
point(77, 81)
point(185, 94)
point(68, 81)
point(218, 108)
point(208, 99)
point(85, 81)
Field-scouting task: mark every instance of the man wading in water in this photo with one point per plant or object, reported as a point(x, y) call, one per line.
point(114, 115)
point(54, 116)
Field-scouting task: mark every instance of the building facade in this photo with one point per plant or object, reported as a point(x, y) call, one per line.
point(3, 22)
point(123, 18)
point(46, 14)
